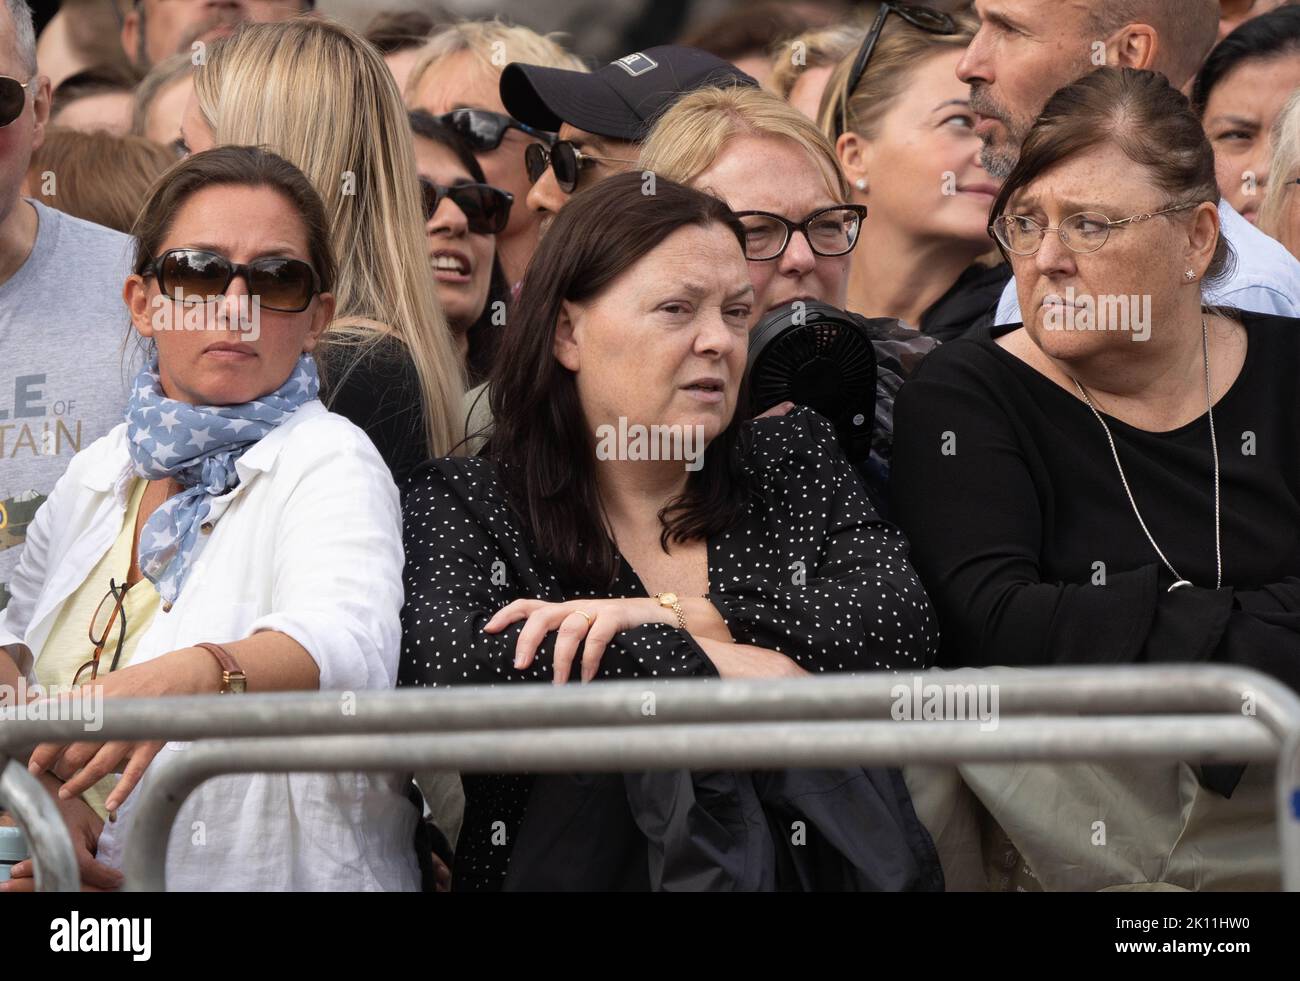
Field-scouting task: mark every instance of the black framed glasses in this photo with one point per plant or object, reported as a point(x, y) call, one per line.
point(486, 208)
point(279, 283)
point(484, 130)
point(1084, 232)
point(922, 18)
point(830, 231)
point(565, 159)
point(107, 625)
point(13, 98)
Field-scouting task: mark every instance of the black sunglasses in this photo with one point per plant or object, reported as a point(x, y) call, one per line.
point(486, 208)
point(484, 130)
point(922, 18)
point(565, 159)
point(13, 98)
point(830, 231)
point(285, 285)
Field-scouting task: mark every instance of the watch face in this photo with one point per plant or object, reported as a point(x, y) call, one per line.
point(667, 599)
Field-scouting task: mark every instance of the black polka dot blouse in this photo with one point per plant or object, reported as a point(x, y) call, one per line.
point(811, 571)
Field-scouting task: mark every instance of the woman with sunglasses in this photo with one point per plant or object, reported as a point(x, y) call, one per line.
point(456, 80)
point(903, 130)
point(463, 216)
point(231, 535)
point(389, 361)
point(1115, 480)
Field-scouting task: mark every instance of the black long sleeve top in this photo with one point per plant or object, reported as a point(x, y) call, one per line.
point(1023, 534)
point(811, 571)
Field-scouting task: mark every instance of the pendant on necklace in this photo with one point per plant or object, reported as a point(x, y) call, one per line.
point(1181, 582)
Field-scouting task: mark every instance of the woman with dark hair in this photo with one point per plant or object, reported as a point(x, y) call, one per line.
point(1239, 95)
point(627, 522)
point(1115, 480)
point(231, 535)
point(463, 215)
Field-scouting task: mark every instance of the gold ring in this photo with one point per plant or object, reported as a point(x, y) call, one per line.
point(585, 616)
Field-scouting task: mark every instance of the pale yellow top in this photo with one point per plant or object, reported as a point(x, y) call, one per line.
point(68, 646)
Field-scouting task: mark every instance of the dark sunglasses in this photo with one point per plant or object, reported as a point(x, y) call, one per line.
point(565, 159)
point(486, 208)
point(922, 18)
point(286, 285)
point(13, 98)
point(484, 130)
point(830, 231)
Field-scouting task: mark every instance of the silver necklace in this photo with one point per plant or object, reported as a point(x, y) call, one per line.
point(1214, 446)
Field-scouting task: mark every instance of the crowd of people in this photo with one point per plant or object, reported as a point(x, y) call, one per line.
point(316, 338)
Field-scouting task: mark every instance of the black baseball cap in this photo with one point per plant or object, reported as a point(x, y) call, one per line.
point(620, 100)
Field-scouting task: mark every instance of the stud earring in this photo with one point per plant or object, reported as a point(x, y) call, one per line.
point(1190, 274)
point(860, 183)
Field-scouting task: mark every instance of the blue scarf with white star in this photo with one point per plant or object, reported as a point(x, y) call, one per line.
point(197, 445)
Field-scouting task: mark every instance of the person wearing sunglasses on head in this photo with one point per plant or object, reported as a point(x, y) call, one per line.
point(1114, 482)
point(601, 117)
point(1025, 50)
point(903, 130)
point(463, 217)
point(231, 535)
point(61, 380)
point(456, 78)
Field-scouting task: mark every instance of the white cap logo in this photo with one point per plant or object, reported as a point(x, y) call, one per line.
point(636, 64)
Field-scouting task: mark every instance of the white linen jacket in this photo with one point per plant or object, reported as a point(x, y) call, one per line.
point(310, 544)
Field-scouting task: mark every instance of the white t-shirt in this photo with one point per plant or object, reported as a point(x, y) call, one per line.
point(1266, 278)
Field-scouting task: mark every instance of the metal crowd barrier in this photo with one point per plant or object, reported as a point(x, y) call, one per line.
point(1202, 712)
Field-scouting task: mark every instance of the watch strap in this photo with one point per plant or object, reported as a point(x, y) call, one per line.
point(233, 679)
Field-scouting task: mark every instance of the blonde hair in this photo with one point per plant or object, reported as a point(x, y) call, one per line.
point(1284, 164)
point(494, 44)
point(317, 94)
point(900, 49)
point(691, 135)
point(812, 49)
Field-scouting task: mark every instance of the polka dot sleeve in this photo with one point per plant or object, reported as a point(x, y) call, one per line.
point(826, 581)
point(466, 558)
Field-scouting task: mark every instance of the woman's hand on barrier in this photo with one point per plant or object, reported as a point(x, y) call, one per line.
point(83, 764)
point(84, 826)
point(591, 623)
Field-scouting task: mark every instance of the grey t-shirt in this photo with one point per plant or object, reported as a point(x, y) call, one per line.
point(64, 369)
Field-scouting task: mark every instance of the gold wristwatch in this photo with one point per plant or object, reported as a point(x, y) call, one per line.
point(671, 602)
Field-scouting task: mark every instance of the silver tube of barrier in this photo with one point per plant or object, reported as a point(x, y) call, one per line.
point(54, 861)
point(1082, 691)
point(668, 746)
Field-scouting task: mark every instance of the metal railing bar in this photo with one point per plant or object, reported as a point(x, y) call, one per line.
point(55, 862)
point(731, 746)
point(1072, 691)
